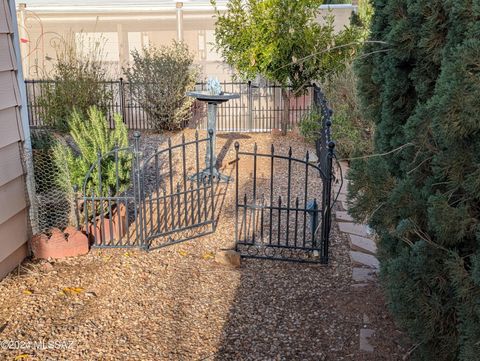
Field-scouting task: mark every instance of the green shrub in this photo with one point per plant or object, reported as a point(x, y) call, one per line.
point(92, 136)
point(362, 18)
point(310, 125)
point(159, 79)
point(420, 189)
point(77, 81)
point(351, 131)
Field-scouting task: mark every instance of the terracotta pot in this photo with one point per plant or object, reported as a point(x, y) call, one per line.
point(111, 228)
point(58, 244)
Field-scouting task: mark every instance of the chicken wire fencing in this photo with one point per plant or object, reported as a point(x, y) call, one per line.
point(52, 202)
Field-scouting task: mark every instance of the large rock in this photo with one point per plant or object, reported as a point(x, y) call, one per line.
point(228, 257)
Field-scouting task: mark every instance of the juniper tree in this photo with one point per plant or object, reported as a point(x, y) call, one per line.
point(420, 191)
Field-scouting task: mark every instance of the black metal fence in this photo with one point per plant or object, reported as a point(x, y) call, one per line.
point(295, 226)
point(260, 108)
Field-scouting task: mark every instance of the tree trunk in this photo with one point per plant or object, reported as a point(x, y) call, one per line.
point(286, 111)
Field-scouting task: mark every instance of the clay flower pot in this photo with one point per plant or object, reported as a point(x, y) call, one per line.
point(111, 228)
point(58, 244)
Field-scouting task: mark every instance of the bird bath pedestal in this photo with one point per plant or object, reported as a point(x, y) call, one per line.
point(211, 171)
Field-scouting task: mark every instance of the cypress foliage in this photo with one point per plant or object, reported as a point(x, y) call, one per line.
point(422, 192)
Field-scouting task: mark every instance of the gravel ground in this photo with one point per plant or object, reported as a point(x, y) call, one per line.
point(176, 303)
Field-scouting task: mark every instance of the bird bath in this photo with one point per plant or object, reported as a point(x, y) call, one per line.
point(212, 101)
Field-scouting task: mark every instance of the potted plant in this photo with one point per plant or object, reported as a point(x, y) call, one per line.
point(98, 165)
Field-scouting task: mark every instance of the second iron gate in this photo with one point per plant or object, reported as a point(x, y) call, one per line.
point(287, 220)
point(283, 220)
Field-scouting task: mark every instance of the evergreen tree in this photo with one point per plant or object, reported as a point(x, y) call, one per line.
point(421, 190)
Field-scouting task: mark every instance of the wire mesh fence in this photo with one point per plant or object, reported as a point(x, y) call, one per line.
point(53, 202)
point(260, 107)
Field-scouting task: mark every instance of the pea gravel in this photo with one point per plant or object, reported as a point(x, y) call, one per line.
point(176, 303)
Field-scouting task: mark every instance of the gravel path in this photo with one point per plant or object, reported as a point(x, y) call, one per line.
point(176, 303)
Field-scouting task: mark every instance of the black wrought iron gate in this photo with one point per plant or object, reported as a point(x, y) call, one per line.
point(177, 203)
point(288, 216)
point(133, 201)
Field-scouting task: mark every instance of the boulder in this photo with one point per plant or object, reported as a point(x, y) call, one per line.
point(228, 257)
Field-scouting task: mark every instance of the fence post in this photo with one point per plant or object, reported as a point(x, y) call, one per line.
point(250, 106)
point(138, 189)
point(327, 196)
point(237, 160)
point(325, 149)
point(122, 100)
point(77, 211)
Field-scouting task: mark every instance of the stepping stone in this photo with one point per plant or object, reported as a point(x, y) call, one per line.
point(363, 275)
point(362, 244)
point(363, 259)
point(342, 197)
point(353, 228)
point(343, 216)
point(365, 335)
point(344, 205)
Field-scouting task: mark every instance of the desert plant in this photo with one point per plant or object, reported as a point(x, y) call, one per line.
point(351, 131)
point(420, 188)
point(93, 137)
point(159, 79)
point(77, 81)
point(310, 125)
